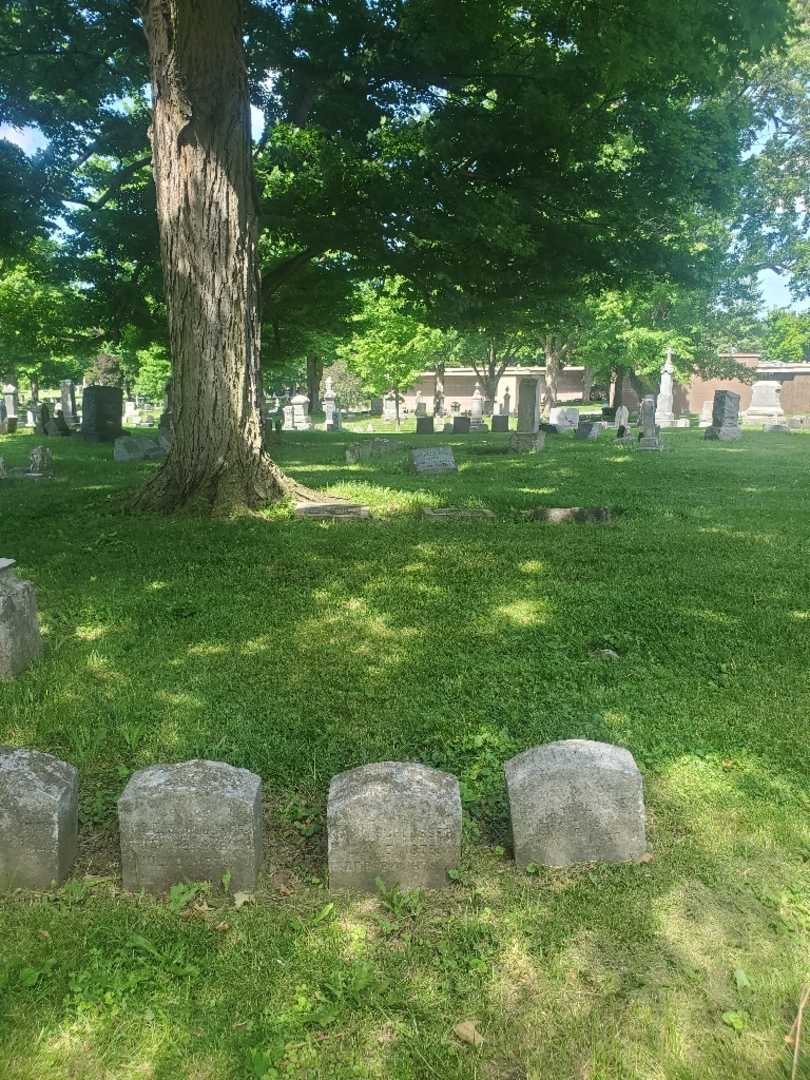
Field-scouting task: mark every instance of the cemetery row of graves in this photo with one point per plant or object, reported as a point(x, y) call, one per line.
point(219, 693)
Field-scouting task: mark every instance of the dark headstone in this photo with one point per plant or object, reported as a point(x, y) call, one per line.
point(424, 425)
point(583, 432)
point(461, 425)
point(43, 416)
point(500, 423)
point(102, 412)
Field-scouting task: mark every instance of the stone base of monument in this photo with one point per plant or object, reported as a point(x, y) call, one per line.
point(331, 511)
point(500, 423)
point(562, 515)
point(679, 422)
point(776, 429)
point(523, 442)
point(725, 433)
point(650, 442)
point(457, 513)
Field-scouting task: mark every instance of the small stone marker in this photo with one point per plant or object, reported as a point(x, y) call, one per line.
point(20, 642)
point(461, 425)
point(393, 820)
point(562, 515)
point(433, 459)
point(128, 448)
point(587, 432)
point(457, 513)
point(370, 448)
point(564, 418)
point(725, 425)
point(39, 817)
point(499, 422)
point(576, 801)
point(622, 416)
point(525, 442)
point(424, 425)
point(195, 821)
point(776, 429)
point(331, 511)
point(650, 437)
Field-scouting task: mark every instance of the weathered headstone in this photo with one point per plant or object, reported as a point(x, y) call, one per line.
point(389, 412)
point(765, 406)
point(128, 448)
point(528, 401)
point(424, 425)
point(776, 429)
point(433, 459)
point(725, 424)
point(370, 448)
point(705, 419)
point(500, 422)
point(564, 418)
point(300, 413)
point(525, 442)
point(461, 425)
point(20, 641)
point(11, 401)
point(195, 821)
point(394, 821)
point(506, 407)
point(576, 801)
point(457, 513)
point(622, 416)
point(57, 426)
point(650, 439)
point(330, 410)
point(102, 411)
point(563, 515)
point(43, 416)
point(68, 394)
point(39, 816)
point(588, 432)
point(40, 462)
point(331, 511)
point(421, 405)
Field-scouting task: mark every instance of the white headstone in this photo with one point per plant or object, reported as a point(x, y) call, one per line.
point(664, 416)
point(765, 402)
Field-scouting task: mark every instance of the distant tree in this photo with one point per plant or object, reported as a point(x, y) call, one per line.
point(154, 371)
point(390, 346)
point(787, 336)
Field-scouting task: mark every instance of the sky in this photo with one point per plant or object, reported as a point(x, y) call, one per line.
point(774, 286)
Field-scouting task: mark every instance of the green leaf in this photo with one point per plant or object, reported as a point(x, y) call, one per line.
point(736, 1020)
point(741, 979)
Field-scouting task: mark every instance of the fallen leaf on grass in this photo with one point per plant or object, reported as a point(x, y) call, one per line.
point(647, 857)
point(222, 927)
point(468, 1033)
point(242, 898)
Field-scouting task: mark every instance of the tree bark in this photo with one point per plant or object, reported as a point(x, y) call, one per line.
point(206, 205)
point(618, 387)
point(314, 376)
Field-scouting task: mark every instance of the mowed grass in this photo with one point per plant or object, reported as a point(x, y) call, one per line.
point(299, 649)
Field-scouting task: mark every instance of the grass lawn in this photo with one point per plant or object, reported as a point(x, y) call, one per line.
point(299, 649)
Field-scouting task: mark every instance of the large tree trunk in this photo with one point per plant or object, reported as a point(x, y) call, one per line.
point(618, 387)
point(314, 376)
point(206, 206)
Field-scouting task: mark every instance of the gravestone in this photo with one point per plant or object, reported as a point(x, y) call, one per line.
point(528, 414)
point(650, 439)
point(433, 459)
point(664, 416)
point(576, 801)
point(330, 410)
point(424, 425)
point(421, 406)
point(370, 448)
point(525, 442)
point(128, 448)
point(461, 425)
point(563, 515)
point(397, 821)
point(11, 401)
point(195, 821)
point(43, 416)
point(287, 413)
point(39, 819)
point(102, 411)
point(706, 414)
point(331, 511)
point(57, 426)
point(457, 513)
point(41, 462)
point(477, 411)
point(588, 432)
point(447, 427)
point(776, 429)
point(68, 394)
point(725, 425)
point(765, 406)
point(564, 419)
point(500, 422)
point(506, 407)
point(622, 416)
point(389, 412)
point(300, 413)
point(20, 641)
